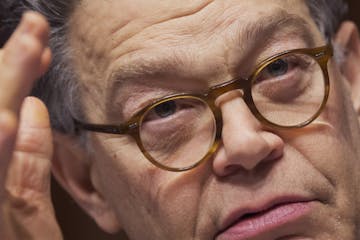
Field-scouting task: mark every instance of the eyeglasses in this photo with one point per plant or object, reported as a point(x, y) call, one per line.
point(181, 131)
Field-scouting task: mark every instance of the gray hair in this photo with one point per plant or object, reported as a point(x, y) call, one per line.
point(59, 87)
point(327, 14)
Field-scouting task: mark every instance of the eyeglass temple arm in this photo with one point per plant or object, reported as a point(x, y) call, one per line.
point(111, 129)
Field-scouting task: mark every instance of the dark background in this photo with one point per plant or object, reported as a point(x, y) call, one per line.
point(75, 224)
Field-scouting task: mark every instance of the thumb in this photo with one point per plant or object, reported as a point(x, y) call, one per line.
point(29, 210)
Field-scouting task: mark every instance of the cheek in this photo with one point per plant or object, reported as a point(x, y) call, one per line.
point(328, 152)
point(337, 128)
point(333, 159)
point(168, 202)
point(331, 146)
point(339, 113)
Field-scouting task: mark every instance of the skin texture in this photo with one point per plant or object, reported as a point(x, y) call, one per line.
point(194, 45)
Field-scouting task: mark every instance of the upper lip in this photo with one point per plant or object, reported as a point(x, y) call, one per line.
point(238, 215)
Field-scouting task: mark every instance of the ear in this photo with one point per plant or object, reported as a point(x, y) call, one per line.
point(72, 169)
point(347, 38)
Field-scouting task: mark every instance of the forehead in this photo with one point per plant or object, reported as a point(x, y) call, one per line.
point(126, 22)
point(121, 20)
point(173, 34)
point(115, 28)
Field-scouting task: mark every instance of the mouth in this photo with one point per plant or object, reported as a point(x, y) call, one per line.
point(253, 222)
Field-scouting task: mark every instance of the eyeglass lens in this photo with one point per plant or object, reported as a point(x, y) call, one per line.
point(290, 90)
point(179, 132)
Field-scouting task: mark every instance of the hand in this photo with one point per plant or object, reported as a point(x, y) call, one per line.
point(25, 137)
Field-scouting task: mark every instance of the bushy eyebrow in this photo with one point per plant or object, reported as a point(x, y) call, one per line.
point(258, 32)
point(264, 28)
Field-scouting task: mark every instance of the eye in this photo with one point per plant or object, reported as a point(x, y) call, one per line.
point(281, 69)
point(165, 109)
point(173, 111)
point(285, 78)
point(277, 68)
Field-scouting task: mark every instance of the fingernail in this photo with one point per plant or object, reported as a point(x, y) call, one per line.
point(34, 114)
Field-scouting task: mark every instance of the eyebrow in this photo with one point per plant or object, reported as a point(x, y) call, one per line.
point(268, 26)
point(258, 32)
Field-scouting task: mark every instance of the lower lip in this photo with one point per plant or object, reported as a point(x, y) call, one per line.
point(267, 221)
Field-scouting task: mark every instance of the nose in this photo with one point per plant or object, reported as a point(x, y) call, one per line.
point(245, 142)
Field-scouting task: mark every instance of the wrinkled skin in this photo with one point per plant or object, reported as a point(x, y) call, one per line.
point(193, 45)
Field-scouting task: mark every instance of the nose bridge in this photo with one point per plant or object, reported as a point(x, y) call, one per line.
point(216, 92)
point(234, 84)
point(244, 144)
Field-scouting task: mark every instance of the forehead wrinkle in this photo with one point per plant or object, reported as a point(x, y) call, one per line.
point(176, 64)
point(153, 66)
point(264, 37)
point(88, 36)
point(253, 37)
point(172, 62)
point(126, 31)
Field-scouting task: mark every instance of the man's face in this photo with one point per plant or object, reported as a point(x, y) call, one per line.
point(262, 183)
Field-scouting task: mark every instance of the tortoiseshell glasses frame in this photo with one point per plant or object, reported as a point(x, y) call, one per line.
point(133, 126)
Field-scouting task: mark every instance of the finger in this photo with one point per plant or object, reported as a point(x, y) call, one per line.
point(29, 207)
point(34, 23)
point(8, 129)
point(45, 60)
point(33, 149)
point(22, 60)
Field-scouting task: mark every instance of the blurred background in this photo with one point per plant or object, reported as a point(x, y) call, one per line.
point(354, 13)
point(75, 224)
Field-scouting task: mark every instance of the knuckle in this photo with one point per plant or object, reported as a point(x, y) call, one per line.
point(35, 141)
point(20, 199)
point(17, 197)
point(30, 176)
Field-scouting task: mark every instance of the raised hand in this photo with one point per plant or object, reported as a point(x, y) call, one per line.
point(25, 136)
